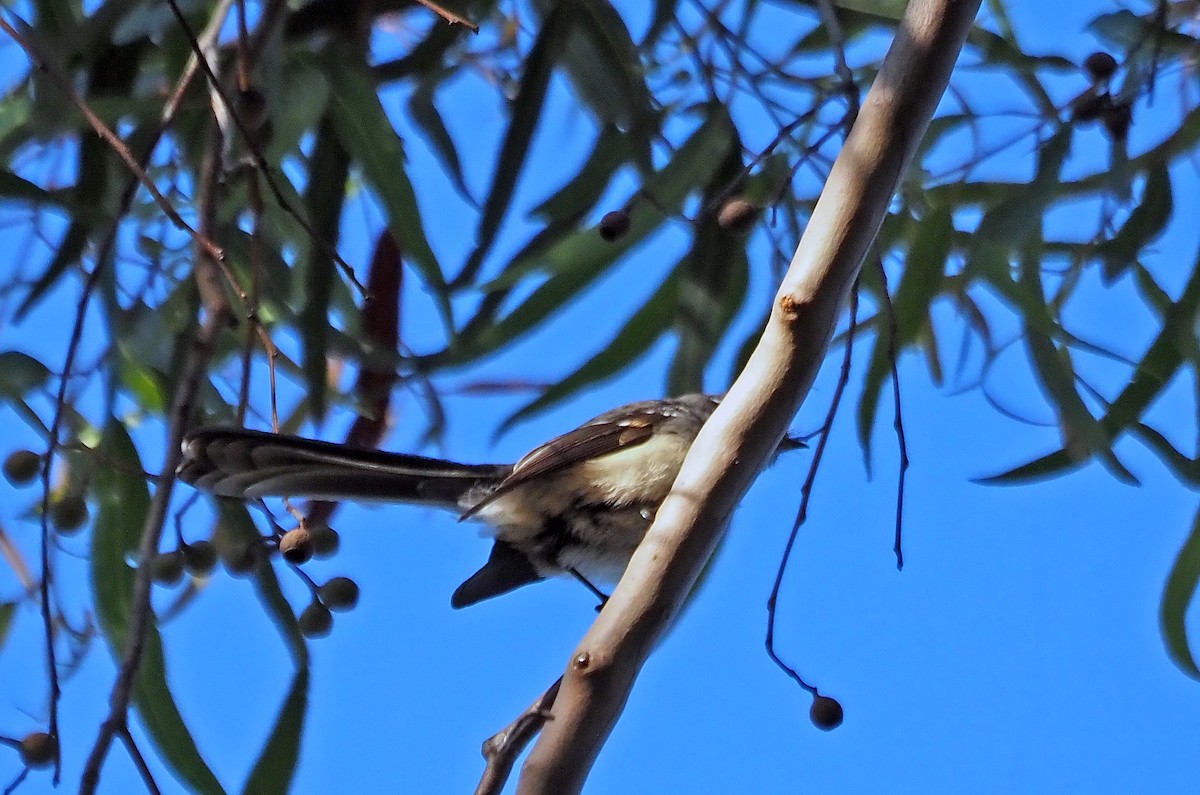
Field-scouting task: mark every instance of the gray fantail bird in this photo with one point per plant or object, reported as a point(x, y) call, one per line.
point(578, 504)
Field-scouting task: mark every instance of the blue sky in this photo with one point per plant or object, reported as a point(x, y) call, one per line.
point(1018, 651)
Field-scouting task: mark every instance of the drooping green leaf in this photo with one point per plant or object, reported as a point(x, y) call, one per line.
point(141, 382)
point(988, 193)
point(1017, 216)
point(1187, 469)
point(1084, 434)
point(642, 330)
point(276, 765)
point(526, 111)
point(15, 188)
point(581, 258)
point(427, 117)
point(716, 275)
point(7, 609)
point(324, 196)
point(603, 64)
point(124, 501)
point(1178, 595)
point(582, 191)
point(1125, 30)
point(364, 129)
point(69, 250)
point(302, 96)
point(1000, 50)
point(1043, 467)
point(20, 372)
point(1162, 359)
point(1144, 225)
point(421, 57)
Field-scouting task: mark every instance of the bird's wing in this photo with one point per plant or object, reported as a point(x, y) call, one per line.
point(597, 438)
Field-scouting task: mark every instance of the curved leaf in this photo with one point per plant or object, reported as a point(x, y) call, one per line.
point(716, 275)
point(1050, 465)
point(324, 195)
point(1177, 597)
point(650, 322)
point(1015, 218)
point(427, 117)
point(276, 763)
point(1145, 224)
point(368, 135)
point(1162, 359)
point(20, 373)
point(581, 192)
point(603, 63)
point(582, 257)
point(526, 111)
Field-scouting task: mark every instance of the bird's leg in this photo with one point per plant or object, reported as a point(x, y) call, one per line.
point(601, 595)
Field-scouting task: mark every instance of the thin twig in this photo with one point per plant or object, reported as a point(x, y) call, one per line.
point(16, 782)
point(139, 762)
point(898, 419)
point(217, 315)
point(60, 401)
point(806, 495)
point(502, 748)
point(255, 151)
point(102, 255)
point(63, 83)
point(194, 367)
point(837, 44)
point(450, 16)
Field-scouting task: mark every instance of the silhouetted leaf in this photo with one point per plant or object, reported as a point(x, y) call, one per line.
point(716, 275)
point(1125, 30)
point(603, 63)
point(124, 502)
point(1185, 468)
point(1012, 220)
point(368, 135)
point(1145, 224)
point(6, 613)
point(1084, 434)
point(70, 248)
point(582, 191)
point(276, 763)
point(526, 111)
point(20, 372)
point(425, 114)
point(1177, 597)
point(15, 188)
point(141, 382)
point(640, 332)
point(324, 195)
point(579, 259)
point(1162, 359)
point(1050, 465)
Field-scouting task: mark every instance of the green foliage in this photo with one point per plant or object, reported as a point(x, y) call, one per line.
point(674, 126)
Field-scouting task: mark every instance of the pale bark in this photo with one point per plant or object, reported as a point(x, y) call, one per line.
point(734, 445)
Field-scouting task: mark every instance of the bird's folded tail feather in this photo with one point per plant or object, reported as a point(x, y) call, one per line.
point(235, 462)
